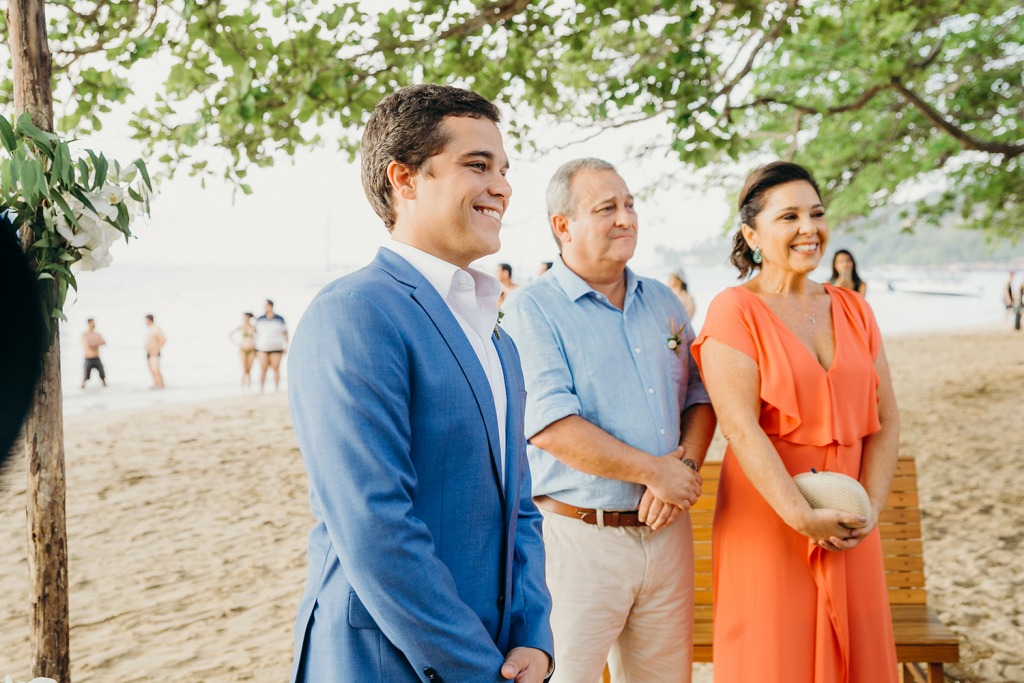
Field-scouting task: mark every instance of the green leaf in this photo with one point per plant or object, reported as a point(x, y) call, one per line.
point(122, 220)
point(66, 210)
point(30, 182)
point(10, 141)
point(83, 170)
point(245, 188)
point(76, 191)
point(141, 165)
point(5, 177)
point(58, 314)
point(101, 172)
point(43, 140)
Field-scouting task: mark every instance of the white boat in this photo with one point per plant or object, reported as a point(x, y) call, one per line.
point(936, 287)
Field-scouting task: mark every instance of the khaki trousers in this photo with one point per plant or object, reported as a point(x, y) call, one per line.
point(622, 595)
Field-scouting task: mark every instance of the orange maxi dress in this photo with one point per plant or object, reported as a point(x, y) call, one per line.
point(785, 610)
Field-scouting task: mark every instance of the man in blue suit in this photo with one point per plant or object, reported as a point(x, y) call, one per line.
point(426, 562)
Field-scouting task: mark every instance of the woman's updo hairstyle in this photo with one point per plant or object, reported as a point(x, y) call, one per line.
point(752, 201)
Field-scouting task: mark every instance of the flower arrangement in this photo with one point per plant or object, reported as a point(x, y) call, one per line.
point(34, 680)
point(677, 337)
point(73, 210)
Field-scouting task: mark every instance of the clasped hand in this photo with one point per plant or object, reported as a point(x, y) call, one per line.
point(674, 489)
point(526, 665)
point(831, 529)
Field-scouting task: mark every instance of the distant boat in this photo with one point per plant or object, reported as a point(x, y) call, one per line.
point(936, 287)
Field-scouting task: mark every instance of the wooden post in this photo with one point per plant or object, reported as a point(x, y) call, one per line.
point(44, 426)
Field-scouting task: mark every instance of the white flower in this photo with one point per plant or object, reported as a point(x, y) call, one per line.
point(112, 194)
point(34, 680)
point(672, 344)
point(95, 236)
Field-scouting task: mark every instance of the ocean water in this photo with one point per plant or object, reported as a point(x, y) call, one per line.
point(197, 307)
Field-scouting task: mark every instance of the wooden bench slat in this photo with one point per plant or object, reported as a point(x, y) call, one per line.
point(891, 532)
point(898, 516)
point(901, 500)
point(897, 563)
point(904, 484)
point(920, 636)
point(907, 596)
point(909, 547)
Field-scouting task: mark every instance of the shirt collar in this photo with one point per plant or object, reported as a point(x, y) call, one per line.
point(575, 286)
point(440, 274)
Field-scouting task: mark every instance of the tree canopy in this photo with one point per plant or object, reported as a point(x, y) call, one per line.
point(870, 94)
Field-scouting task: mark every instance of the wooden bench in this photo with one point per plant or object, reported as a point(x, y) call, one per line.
point(923, 643)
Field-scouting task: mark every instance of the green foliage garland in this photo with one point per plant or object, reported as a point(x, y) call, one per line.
point(73, 210)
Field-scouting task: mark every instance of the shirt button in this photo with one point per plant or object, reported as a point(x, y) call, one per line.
point(662, 431)
point(637, 349)
point(650, 391)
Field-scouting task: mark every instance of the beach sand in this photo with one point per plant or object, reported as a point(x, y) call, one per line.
point(187, 525)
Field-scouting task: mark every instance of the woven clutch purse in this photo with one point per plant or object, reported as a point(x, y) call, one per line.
point(834, 491)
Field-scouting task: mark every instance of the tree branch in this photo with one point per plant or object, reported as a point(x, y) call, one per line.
point(938, 120)
point(769, 36)
point(492, 14)
point(865, 97)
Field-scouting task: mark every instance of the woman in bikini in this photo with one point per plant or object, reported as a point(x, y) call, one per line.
point(243, 335)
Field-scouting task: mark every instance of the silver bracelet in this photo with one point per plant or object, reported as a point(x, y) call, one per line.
point(691, 464)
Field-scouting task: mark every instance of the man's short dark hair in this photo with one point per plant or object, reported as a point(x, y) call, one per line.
point(506, 267)
point(406, 127)
point(548, 265)
point(88, 320)
point(270, 302)
point(149, 317)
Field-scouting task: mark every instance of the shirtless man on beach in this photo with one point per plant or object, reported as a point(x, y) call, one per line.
point(155, 341)
point(92, 341)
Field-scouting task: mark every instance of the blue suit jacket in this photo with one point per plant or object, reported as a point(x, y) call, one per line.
point(420, 559)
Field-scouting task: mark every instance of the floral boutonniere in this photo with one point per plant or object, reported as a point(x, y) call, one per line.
point(676, 340)
point(501, 314)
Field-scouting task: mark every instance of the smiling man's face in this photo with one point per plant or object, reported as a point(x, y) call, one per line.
point(459, 195)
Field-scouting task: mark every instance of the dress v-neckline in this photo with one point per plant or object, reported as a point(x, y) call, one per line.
point(810, 352)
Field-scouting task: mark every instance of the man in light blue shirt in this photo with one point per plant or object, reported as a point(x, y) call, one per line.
point(619, 423)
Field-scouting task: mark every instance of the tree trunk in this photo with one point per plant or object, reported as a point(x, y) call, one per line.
point(44, 426)
point(47, 531)
point(31, 62)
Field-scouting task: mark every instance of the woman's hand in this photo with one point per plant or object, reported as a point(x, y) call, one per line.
point(831, 529)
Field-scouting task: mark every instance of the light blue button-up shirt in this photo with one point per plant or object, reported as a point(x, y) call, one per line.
point(583, 356)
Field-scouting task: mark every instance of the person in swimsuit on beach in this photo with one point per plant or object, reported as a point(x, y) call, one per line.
point(155, 341)
point(244, 335)
point(92, 341)
point(677, 282)
point(271, 340)
point(1008, 298)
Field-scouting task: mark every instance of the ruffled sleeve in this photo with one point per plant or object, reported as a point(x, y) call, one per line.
point(734, 320)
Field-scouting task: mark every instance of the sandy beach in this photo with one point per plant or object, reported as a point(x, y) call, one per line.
point(187, 525)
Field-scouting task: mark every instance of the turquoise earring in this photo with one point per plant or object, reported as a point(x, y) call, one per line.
point(757, 255)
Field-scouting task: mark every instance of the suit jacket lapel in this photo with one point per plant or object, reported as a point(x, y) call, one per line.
point(513, 415)
point(444, 320)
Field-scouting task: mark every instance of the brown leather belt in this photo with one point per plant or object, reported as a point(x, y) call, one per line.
point(611, 518)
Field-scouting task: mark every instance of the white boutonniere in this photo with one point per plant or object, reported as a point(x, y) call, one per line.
point(501, 314)
point(677, 337)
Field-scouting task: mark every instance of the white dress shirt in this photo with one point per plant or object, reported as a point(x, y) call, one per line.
point(472, 298)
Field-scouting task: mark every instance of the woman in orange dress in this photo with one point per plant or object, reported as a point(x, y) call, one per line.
point(799, 380)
